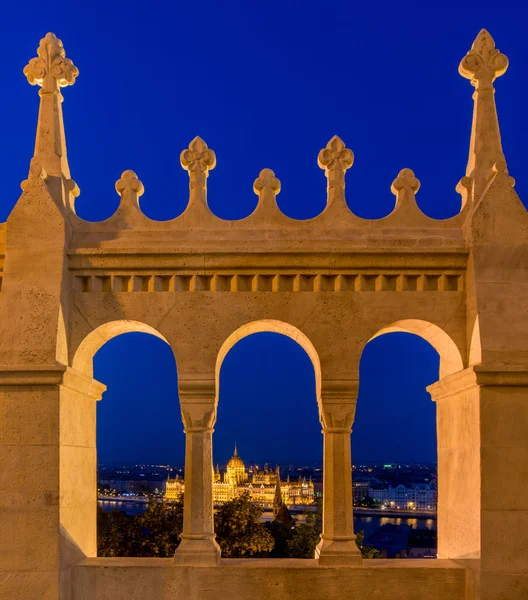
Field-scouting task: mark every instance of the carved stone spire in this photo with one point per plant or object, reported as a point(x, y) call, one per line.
point(51, 70)
point(198, 160)
point(336, 159)
point(482, 65)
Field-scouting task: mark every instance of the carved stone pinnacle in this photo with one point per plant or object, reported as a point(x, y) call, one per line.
point(483, 63)
point(198, 157)
point(129, 182)
point(266, 181)
point(406, 180)
point(336, 156)
point(51, 69)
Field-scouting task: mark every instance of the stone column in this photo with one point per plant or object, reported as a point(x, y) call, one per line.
point(338, 541)
point(49, 494)
point(198, 545)
point(482, 422)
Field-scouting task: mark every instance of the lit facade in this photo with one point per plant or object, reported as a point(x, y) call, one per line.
point(260, 485)
point(420, 496)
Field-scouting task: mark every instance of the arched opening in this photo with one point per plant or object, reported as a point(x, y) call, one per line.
point(267, 442)
point(139, 438)
point(395, 474)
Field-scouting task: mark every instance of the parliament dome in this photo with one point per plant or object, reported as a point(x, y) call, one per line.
point(235, 461)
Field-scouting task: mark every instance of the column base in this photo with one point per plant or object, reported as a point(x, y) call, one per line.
point(197, 551)
point(338, 553)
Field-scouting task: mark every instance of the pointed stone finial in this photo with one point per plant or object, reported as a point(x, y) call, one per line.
point(198, 159)
point(267, 187)
point(129, 187)
point(51, 69)
point(335, 159)
point(266, 182)
point(405, 187)
point(483, 63)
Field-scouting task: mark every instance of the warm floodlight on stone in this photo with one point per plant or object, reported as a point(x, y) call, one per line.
point(202, 283)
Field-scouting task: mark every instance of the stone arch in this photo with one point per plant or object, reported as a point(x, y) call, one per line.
point(86, 470)
point(272, 326)
point(451, 360)
point(97, 338)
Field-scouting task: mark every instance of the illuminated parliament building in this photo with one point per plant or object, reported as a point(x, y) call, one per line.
point(261, 485)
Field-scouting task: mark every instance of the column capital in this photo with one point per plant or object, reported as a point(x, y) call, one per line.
point(197, 389)
point(339, 390)
point(198, 403)
point(338, 405)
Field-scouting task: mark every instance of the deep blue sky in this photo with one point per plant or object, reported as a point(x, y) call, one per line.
point(267, 402)
point(266, 84)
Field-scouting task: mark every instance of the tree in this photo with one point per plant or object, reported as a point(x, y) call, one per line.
point(238, 531)
point(306, 535)
point(155, 533)
point(161, 527)
point(366, 551)
point(118, 534)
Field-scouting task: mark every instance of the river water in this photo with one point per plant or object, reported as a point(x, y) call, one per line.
point(361, 523)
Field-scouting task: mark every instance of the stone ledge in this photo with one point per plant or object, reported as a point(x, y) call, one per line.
point(267, 579)
point(481, 375)
point(59, 374)
point(272, 563)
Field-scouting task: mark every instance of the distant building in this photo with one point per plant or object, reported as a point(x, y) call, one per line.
point(261, 485)
point(360, 490)
point(380, 493)
point(418, 496)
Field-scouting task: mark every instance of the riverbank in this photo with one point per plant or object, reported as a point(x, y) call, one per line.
point(394, 513)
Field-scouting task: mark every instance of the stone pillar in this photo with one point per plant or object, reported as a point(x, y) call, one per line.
point(198, 545)
point(49, 489)
point(338, 541)
point(482, 422)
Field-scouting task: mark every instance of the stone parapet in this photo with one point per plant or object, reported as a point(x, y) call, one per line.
point(262, 579)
